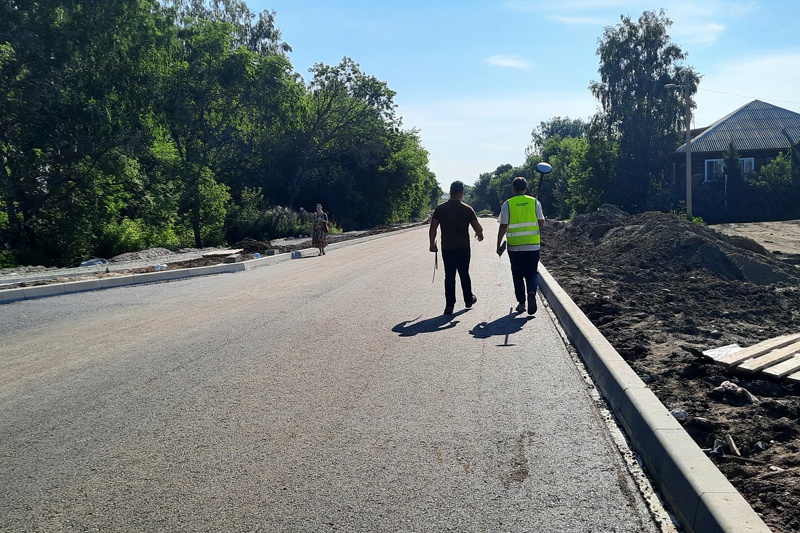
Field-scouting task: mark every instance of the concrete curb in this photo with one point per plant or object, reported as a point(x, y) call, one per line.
point(57, 289)
point(700, 495)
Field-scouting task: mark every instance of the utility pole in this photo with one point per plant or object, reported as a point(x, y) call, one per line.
point(688, 142)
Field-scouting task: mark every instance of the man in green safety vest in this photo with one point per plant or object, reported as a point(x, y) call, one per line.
point(455, 217)
point(521, 220)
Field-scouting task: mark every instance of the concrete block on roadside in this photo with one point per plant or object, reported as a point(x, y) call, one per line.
point(149, 277)
point(232, 267)
point(203, 271)
point(84, 285)
point(297, 255)
point(175, 274)
point(40, 291)
point(233, 258)
point(725, 511)
point(12, 295)
point(269, 252)
point(115, 281)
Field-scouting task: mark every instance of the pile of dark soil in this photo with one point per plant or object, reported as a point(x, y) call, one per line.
point(662, 289)
point(252, 246)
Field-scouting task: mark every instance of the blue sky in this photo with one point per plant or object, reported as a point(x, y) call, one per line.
point(476, 77)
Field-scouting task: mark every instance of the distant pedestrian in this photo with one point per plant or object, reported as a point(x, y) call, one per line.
point(319, 233)
point(521, 220)
point(455, 217)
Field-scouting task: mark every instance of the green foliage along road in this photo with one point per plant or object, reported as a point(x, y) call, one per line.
point(127, 125)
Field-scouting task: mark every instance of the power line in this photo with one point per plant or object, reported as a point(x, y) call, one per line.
point(750, 97)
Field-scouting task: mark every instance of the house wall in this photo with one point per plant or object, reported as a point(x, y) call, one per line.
point(760, 158)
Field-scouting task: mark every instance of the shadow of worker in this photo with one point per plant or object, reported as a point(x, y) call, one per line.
point(505, 326)
point(409, 328)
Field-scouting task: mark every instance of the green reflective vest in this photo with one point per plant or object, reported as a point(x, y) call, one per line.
point(523, 228)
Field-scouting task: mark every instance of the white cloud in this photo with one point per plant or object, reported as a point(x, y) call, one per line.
point(697, 32)
point(508, 62)
point(693, 22)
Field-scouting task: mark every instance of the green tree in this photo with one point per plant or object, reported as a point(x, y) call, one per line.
point(257, 34)
point(493, 188)
point(637, 112)
point(572, 191)
point(343, 109)
point(75, 84)
point(734, 184)
point(208, 99)
point(556, 127)
point(409, 182)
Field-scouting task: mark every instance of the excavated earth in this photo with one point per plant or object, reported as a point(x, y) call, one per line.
point(662, 290)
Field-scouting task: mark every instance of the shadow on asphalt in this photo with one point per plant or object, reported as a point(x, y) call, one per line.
point(504, 326)
point(409, 328)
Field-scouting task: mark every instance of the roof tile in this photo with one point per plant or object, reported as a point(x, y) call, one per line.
point(754, 126)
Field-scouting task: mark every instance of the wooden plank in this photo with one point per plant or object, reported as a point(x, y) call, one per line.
point(772, 358)
point(223, 253)
point(732, 445)
point(784, 369)
point(741, 459)
point(794, 377)
point(759, 349)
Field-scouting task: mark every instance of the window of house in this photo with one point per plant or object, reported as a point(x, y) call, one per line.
point(748, 165)
point(714, 169)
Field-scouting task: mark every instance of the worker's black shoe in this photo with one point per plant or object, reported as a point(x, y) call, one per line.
point(520, 307)
point(448, 310)
point(531, 303)
point(474, 300)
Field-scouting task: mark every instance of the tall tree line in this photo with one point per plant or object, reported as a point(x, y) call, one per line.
point(623, 154)
point(132, 124)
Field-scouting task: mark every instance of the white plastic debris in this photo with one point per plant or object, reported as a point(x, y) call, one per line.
point(680, 414)
point(727, 387)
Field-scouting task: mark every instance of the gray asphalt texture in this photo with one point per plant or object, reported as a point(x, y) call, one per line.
point(317, 394)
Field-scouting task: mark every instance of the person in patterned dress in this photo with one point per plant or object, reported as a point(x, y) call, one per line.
point(319, 234)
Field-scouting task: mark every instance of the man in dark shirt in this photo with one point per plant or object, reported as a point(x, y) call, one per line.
point(455, 217)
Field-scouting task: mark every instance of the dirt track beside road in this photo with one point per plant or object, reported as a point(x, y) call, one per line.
point(662, 290)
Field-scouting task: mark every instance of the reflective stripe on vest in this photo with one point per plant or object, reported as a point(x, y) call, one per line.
point(523, 228)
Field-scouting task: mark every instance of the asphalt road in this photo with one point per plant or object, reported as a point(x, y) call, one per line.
point(318, 394)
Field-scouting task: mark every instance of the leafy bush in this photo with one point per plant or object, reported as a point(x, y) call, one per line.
point(284, 222)
point(333, 228)
point(251, 218)
point(7, 259)
point(134, 235)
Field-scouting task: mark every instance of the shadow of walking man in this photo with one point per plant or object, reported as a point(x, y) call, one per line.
point(505, 326)
point(409, 328)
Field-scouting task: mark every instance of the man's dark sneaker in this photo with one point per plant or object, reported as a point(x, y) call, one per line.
point(448, 310)
point(520, 307)
point(531, 303)
point(474, 300)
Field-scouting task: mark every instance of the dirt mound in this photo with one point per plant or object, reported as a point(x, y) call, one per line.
point(150, 253)
point(252, 246)
point(662, 289)
point(650, 243)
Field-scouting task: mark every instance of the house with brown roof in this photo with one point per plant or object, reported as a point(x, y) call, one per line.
point(759, 131)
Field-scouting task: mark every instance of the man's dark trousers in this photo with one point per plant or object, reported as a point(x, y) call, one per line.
point(456, 261)
point(524, 268)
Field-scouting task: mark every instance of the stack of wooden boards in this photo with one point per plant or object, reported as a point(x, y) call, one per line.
point(777, 358)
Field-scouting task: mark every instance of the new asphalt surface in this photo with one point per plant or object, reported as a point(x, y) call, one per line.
point(316, 394)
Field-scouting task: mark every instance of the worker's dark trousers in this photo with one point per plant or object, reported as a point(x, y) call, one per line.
point(456, 261)
point(524, 272)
